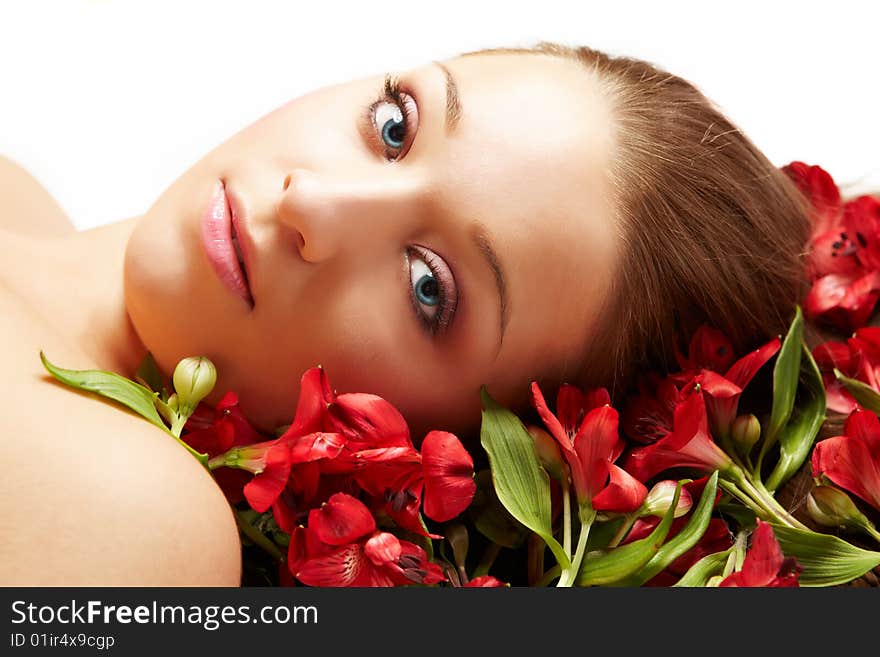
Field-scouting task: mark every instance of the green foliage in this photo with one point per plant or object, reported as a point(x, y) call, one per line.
point(521, 484)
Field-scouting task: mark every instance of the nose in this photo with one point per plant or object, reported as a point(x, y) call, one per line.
point(329, 213)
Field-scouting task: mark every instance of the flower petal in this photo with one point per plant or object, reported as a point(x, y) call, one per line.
point(449, 476)
point(554, 426)
point(368, 421)
point(596, 443)
point(764, 565)
point(744, 370)
point(846, 461)
point(262, 491)
point(341, 520)
point(623, 494)
point(570, 408)
point(382, 548)
point(346, 566)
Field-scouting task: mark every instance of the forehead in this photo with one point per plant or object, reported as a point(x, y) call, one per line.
point(530, 160)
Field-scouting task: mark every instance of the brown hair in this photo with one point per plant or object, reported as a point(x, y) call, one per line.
point(711, 230)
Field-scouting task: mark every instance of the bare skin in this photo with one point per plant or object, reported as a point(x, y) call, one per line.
point(86, 508)
point(332, 223)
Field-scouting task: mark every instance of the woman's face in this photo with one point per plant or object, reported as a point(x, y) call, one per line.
point(415, 248)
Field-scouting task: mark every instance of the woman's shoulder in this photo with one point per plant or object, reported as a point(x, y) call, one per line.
point(96, 495)
point(27, 207)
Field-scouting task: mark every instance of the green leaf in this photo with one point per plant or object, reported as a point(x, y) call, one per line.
point(826, 560)
point(490, 517)
point(687, 538)
point(113, 386)
point(796, 439)
point(521, 484)
point(785, 380)
point(862, 392)
point(705, 569)
point(149, 374)
point(610, 566)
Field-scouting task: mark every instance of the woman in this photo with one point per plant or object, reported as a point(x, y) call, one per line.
point(509, 215)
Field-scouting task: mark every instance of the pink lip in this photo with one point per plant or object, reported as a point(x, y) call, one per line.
point(217, 241)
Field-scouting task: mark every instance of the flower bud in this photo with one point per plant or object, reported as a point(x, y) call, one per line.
point(194, 379)
point(660, 498)
point(745, 431)
point(832, 507)
point(548, 452)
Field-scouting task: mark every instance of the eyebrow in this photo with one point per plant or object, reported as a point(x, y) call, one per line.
point(453, 100)
point(484, 245)
point(478, 232)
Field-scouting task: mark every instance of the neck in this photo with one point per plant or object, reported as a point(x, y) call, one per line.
point(81, 294)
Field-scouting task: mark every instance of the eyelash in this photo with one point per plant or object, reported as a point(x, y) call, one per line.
point(448, 296)
point(390, 92)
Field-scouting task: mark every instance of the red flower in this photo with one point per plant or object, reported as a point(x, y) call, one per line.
point(688, 446)
point(215, 430)
point(765, 565)
point(858, 358)
point(342, 547)
point(852, 461)
point(708, 349)
point(448, 476)
point(723, 392)
point(586, 431)
point(819, 187)
point(844, 253)
point(647, 417)
point(486, 582)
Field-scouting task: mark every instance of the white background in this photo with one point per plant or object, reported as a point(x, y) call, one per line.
point(105, 102)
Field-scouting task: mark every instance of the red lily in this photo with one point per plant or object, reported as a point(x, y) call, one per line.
point(364, 420)
point(342, 547)
point(688, 446)
point(765, 565)
point(647, 417)
point(708, 349)
point(586, 430)
point(440, 480)
point(215, 430)
point(448, 476)
point(486, 582)
point(820, 188)
point(852, 461)
point(844, 253)
point(858, 358)
point(723, 392)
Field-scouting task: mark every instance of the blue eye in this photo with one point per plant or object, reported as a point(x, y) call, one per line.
point(391, 120)
point(426, 288)
point(432, 288)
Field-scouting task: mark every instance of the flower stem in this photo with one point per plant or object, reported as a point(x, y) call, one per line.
point(550, 575)
point(872, 532)
point(628, 521)
point(734, 490)
point(568, 575)
point(566, 520)
point(775, 509)
point(256, 536)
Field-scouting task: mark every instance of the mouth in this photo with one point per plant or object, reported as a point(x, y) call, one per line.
point(221, 244)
